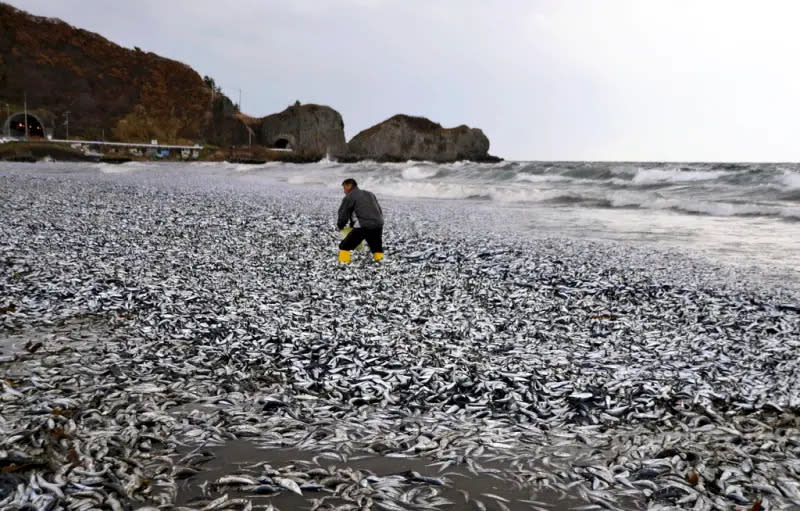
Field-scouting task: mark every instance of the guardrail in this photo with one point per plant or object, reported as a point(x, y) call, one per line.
point(195, 147)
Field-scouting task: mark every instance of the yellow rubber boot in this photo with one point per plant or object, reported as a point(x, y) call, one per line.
point(344, 256)
point(377, 256)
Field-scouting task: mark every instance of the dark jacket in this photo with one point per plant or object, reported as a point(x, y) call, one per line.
point(364, 205)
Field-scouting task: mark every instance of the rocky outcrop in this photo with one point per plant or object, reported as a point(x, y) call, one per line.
point(311, 131)
point(403, 137)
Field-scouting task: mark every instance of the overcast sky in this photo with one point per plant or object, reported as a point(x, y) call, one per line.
point(545, 80)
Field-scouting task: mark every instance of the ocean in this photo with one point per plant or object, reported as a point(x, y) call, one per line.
point(746, 214)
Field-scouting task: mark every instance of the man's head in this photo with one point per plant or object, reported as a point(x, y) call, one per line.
point(348, 185)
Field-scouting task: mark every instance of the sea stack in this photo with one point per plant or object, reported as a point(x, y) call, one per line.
point(309, 130)
point(403, 137)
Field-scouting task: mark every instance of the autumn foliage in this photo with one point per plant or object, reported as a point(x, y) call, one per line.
point(124, 93)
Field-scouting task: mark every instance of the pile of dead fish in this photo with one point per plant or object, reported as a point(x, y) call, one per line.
point(148, 318)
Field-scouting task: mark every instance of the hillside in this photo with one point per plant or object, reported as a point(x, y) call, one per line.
point(109, 90)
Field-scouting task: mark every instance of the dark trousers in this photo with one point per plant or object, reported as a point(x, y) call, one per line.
point(373, 236)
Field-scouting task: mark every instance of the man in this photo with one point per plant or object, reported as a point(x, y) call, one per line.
point(368, 221)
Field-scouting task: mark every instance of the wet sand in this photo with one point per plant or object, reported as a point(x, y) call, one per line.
point(246, 458)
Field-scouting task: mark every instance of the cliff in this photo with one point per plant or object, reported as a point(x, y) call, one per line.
point(403, 137)
point(121, 93)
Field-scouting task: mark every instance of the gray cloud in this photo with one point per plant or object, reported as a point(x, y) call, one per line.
point(678, 80)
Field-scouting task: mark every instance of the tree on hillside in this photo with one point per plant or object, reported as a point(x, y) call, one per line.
point(212, 84)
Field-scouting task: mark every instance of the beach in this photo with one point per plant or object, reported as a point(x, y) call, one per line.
point(182, 336)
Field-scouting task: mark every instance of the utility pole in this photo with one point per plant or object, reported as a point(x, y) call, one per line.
point(66, 123)
point(8, 121)
point(25, 101)
point(240, 100)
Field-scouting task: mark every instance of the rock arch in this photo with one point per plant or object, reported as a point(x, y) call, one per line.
point(283, 141)
point(15, 125)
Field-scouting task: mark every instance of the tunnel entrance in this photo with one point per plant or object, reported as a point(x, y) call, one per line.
point(15, 126)
point(282, 143)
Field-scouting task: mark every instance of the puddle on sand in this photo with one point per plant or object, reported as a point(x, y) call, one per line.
point(27, 342)
point(74, 332)
point(238, 457)
point(11, 345)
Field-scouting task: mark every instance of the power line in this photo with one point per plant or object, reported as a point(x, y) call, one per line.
point(25, 101)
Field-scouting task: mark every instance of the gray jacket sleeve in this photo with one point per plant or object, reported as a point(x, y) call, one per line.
point(377, 204)
point(345, 212)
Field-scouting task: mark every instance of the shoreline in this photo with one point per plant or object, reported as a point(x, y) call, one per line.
point(215, 311)
point(44, 151)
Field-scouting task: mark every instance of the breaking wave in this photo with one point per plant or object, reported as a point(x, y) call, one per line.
point(724, 190)
point(791, 180)
point(653, 176)
point(416, 172)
